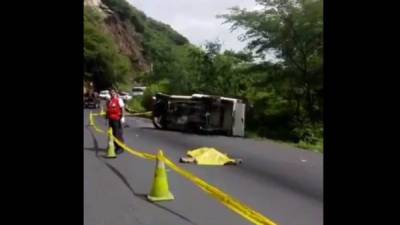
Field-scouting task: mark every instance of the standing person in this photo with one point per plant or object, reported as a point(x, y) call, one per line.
point(115, 116)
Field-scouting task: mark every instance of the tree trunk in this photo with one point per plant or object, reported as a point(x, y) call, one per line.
point(309, 102)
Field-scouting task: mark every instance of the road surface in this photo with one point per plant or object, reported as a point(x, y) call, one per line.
point(281, 182)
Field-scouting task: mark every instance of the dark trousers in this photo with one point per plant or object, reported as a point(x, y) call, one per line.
point(116, 126)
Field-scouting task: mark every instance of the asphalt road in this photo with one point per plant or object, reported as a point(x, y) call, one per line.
point(281, 182)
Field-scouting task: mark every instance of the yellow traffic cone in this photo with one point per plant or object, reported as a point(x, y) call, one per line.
point(111, 147)
point(160, 190)
point(91, 119)
point(101, 110)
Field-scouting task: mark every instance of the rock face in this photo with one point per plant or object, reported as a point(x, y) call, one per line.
point(124, 35)
point(93, 3)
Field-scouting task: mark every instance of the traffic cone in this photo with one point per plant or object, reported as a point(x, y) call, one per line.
point(160, 190)
point(101, 110)
point(111, 147)
point(91, 119)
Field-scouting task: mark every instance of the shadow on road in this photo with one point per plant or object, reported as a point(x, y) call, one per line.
point(143, 196)
point(96, 148)
point(140, 196)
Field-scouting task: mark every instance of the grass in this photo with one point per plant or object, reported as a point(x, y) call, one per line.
point(253, 135)
point(317, 147)
point(136, 108)
point(136, 104)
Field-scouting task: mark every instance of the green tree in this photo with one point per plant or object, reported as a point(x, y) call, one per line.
point(292, 29)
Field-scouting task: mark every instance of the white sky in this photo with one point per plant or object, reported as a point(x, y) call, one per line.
point(196, 19)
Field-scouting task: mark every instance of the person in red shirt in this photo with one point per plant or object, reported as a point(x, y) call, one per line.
point(115, 116)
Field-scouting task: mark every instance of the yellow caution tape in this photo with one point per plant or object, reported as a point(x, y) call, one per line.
point(233, 204)
point(230, 202)
point(123, 145)
point(142, 114)
point(92, 121)
point(143, 155)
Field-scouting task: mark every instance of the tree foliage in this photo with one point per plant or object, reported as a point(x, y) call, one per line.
point(102, 62)
point(293, 30)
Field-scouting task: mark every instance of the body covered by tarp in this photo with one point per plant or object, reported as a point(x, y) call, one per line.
point(209, 156)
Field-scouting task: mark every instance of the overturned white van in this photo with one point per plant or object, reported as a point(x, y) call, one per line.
point(198, 112)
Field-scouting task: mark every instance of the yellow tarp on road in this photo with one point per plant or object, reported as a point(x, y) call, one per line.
point(209, 156)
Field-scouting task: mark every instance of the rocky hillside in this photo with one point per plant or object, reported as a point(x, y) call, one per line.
point(135, 36)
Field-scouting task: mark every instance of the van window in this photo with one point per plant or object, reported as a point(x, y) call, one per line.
point(138, 89)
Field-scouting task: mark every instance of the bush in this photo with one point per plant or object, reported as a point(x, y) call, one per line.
point(137, 23)
point(162, 86)
point(136, 104)
point(308, 133)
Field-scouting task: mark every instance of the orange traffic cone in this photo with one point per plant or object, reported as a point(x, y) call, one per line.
point(160, 189)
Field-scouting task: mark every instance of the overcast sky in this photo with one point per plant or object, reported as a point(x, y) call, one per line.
point(196, 19)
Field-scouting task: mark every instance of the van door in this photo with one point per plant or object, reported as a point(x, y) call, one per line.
point(239, 120)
